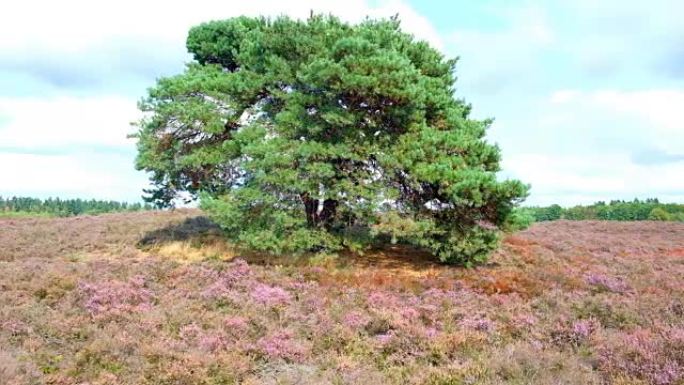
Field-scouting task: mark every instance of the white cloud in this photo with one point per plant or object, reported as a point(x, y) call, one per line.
point(574, 179)
point(585, 146)
point(66, 44)
point(72, 25)
point(573, 145)
point(564, 96)
point(494, 59)
point(663, 108)
point(650, 118)
point(80, 29)
point(103, 176)
point(614, 129)
point(121, 47)
point(66, 121)
point(411, 21)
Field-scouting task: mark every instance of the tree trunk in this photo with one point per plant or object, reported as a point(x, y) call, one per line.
point(325, 217)
point(311, 208)
point(327, 214)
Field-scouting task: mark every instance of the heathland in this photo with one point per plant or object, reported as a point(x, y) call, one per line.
point(159, 297)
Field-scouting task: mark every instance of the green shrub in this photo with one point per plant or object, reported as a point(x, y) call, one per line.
point(550, 213)
point(658, 214)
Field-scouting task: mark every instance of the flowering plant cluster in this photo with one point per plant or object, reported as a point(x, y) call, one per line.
point(562, 302)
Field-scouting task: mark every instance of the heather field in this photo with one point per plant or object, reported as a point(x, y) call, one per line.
point(159, 298)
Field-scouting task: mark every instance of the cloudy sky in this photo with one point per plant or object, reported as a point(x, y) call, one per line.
point(588, 96)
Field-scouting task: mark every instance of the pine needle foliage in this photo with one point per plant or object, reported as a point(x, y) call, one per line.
point(310, 135)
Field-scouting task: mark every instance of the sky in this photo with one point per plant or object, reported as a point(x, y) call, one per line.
point(587, 96)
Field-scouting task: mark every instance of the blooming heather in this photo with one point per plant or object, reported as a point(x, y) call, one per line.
point(572, 303)
point(111, 297)
point(282, 344)
point(270, 295)
point(605, 282)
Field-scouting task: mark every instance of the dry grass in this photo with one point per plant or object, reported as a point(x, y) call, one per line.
point(161, 298)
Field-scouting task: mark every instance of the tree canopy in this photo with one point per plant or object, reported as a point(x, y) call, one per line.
point(319, 135)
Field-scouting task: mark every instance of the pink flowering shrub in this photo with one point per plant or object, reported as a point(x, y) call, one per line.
point(604, 282)
point(478, 323)
point(226, 284)
point(524, 320)
point(355, 320)
point(582, 329)
point(409, 314)
point(431, 332)
point(576, 333)
point(114, 297)
point(236, 324)
point(572, 303)
point(381, 299)
point(14, 327)
point(212, 342)
point(190, 332)
point(641, 353)
point(270, 295)
point(282, 345)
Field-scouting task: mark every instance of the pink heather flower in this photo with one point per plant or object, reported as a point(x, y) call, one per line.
point(116, 296)
point(479, 324)
point(615, 285)
point(282, 345)
point(539, 345)
point(380, 299)
point(190, 331)
point(575, 334)
point(314, 303)
point(431, 332)
point(409, 314)
point(225, 283)
point(237, 270)
point(668, 374)
point(137, 280)
point(14, 327)
point(429, 311)
point(355, 320)
point(270, 295)
point(236, 323)
point(676, 335)
point(646, 355)
point(204, 273)
point(302, 286)
point(212, 343)
point(434, 294)
point(505, 299)
point(582, 329)
point(524, 320)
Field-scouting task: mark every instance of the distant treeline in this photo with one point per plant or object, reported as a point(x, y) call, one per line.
point(617, 210)
point(64, 207)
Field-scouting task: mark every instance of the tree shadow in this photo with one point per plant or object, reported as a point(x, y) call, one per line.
point(191, 229)
point(201, 231)
point(392, 257)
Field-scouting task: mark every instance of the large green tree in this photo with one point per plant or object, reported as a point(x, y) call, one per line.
point(319, 135)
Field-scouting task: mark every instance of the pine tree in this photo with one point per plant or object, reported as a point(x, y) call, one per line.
point(318, 135)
